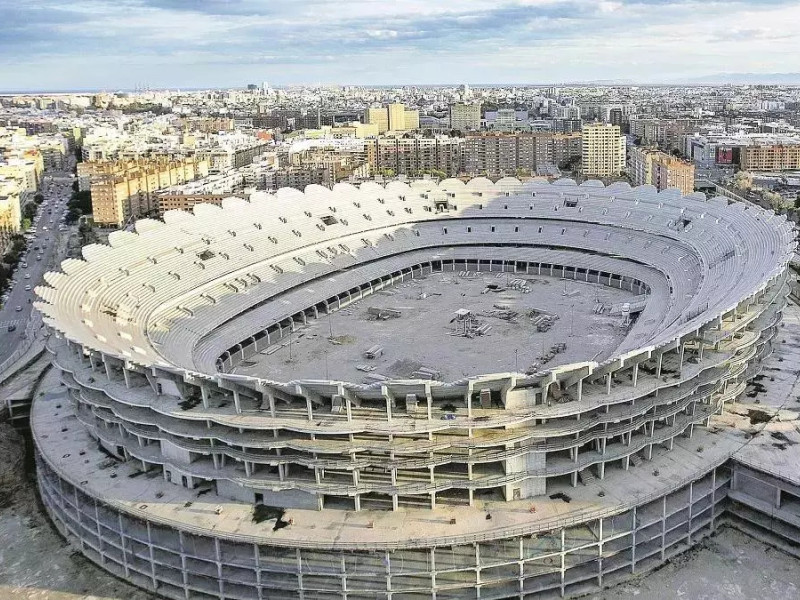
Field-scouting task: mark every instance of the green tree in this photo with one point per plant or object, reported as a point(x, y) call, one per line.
point(26, 224)
point(29, 211)
point(38, 198)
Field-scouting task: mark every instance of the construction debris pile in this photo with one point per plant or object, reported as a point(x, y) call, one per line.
point(551, 354)
point(467, 325)
point(542, 320)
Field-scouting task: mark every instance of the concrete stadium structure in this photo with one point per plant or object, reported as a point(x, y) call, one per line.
point(493, 485)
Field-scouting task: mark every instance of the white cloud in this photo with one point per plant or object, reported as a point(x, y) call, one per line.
point(216, 43)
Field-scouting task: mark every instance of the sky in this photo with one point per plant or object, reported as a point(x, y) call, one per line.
point(123, 44)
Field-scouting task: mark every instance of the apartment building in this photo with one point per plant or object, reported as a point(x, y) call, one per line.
point(649, 166)
point(394, 117)
point(298, 177)
point(603, 150)
point(750, 151)
point(10, 212)
point(414, 155)
point(672, 172)
point(187, 201)
point(125, 189)
point(500, 153)
point(207, 124)
point(465, 117)
point(666, 133)
point(495, 153)
point(234, 157)
point(771, 157)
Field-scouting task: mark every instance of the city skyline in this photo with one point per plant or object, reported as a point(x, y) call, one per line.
point(169, 44)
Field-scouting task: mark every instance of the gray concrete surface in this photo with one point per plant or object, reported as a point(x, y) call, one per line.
point(424, 334)
point(728, 566)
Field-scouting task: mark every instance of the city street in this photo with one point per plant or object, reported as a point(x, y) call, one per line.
point(56, 189)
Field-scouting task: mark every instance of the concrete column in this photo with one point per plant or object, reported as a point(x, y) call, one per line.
point(152, 557)
point(122, 545)
point(600, 552)
point(204, 395)
point(713, 498)
point(663, 527)
point(478, 564)
point(691, 502)
point(433, 570)
point(236, 402)
point(633, 542)
point(563, 557)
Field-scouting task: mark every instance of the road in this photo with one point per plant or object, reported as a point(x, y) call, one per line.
point(56, 189)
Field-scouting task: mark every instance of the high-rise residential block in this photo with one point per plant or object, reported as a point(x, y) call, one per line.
point(505, 153)
point(378, 116)
point(603, 152)
point(415, 155)
point(465, 117)
point(672, 172)
point(395, 117)
point(649, 166)
point(125, 189)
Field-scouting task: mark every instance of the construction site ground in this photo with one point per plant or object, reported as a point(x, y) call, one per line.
point(416, 326)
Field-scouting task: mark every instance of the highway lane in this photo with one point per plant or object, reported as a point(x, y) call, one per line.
point(56, 189)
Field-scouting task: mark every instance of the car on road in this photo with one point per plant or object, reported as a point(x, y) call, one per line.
point(28, 288)
point(12, 327)
point(18, 309)
point(27, 275)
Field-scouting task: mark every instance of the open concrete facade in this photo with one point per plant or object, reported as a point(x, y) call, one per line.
point(167, 389)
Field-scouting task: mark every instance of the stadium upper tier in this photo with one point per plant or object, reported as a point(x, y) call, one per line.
point(192, 291)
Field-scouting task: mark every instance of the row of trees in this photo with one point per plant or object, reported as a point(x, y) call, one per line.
point(11, 259)
point(80, 203)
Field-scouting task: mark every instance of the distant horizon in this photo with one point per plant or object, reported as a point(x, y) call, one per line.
point(587, 83)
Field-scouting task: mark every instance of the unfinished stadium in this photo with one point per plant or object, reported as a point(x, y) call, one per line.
point(481, 390)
